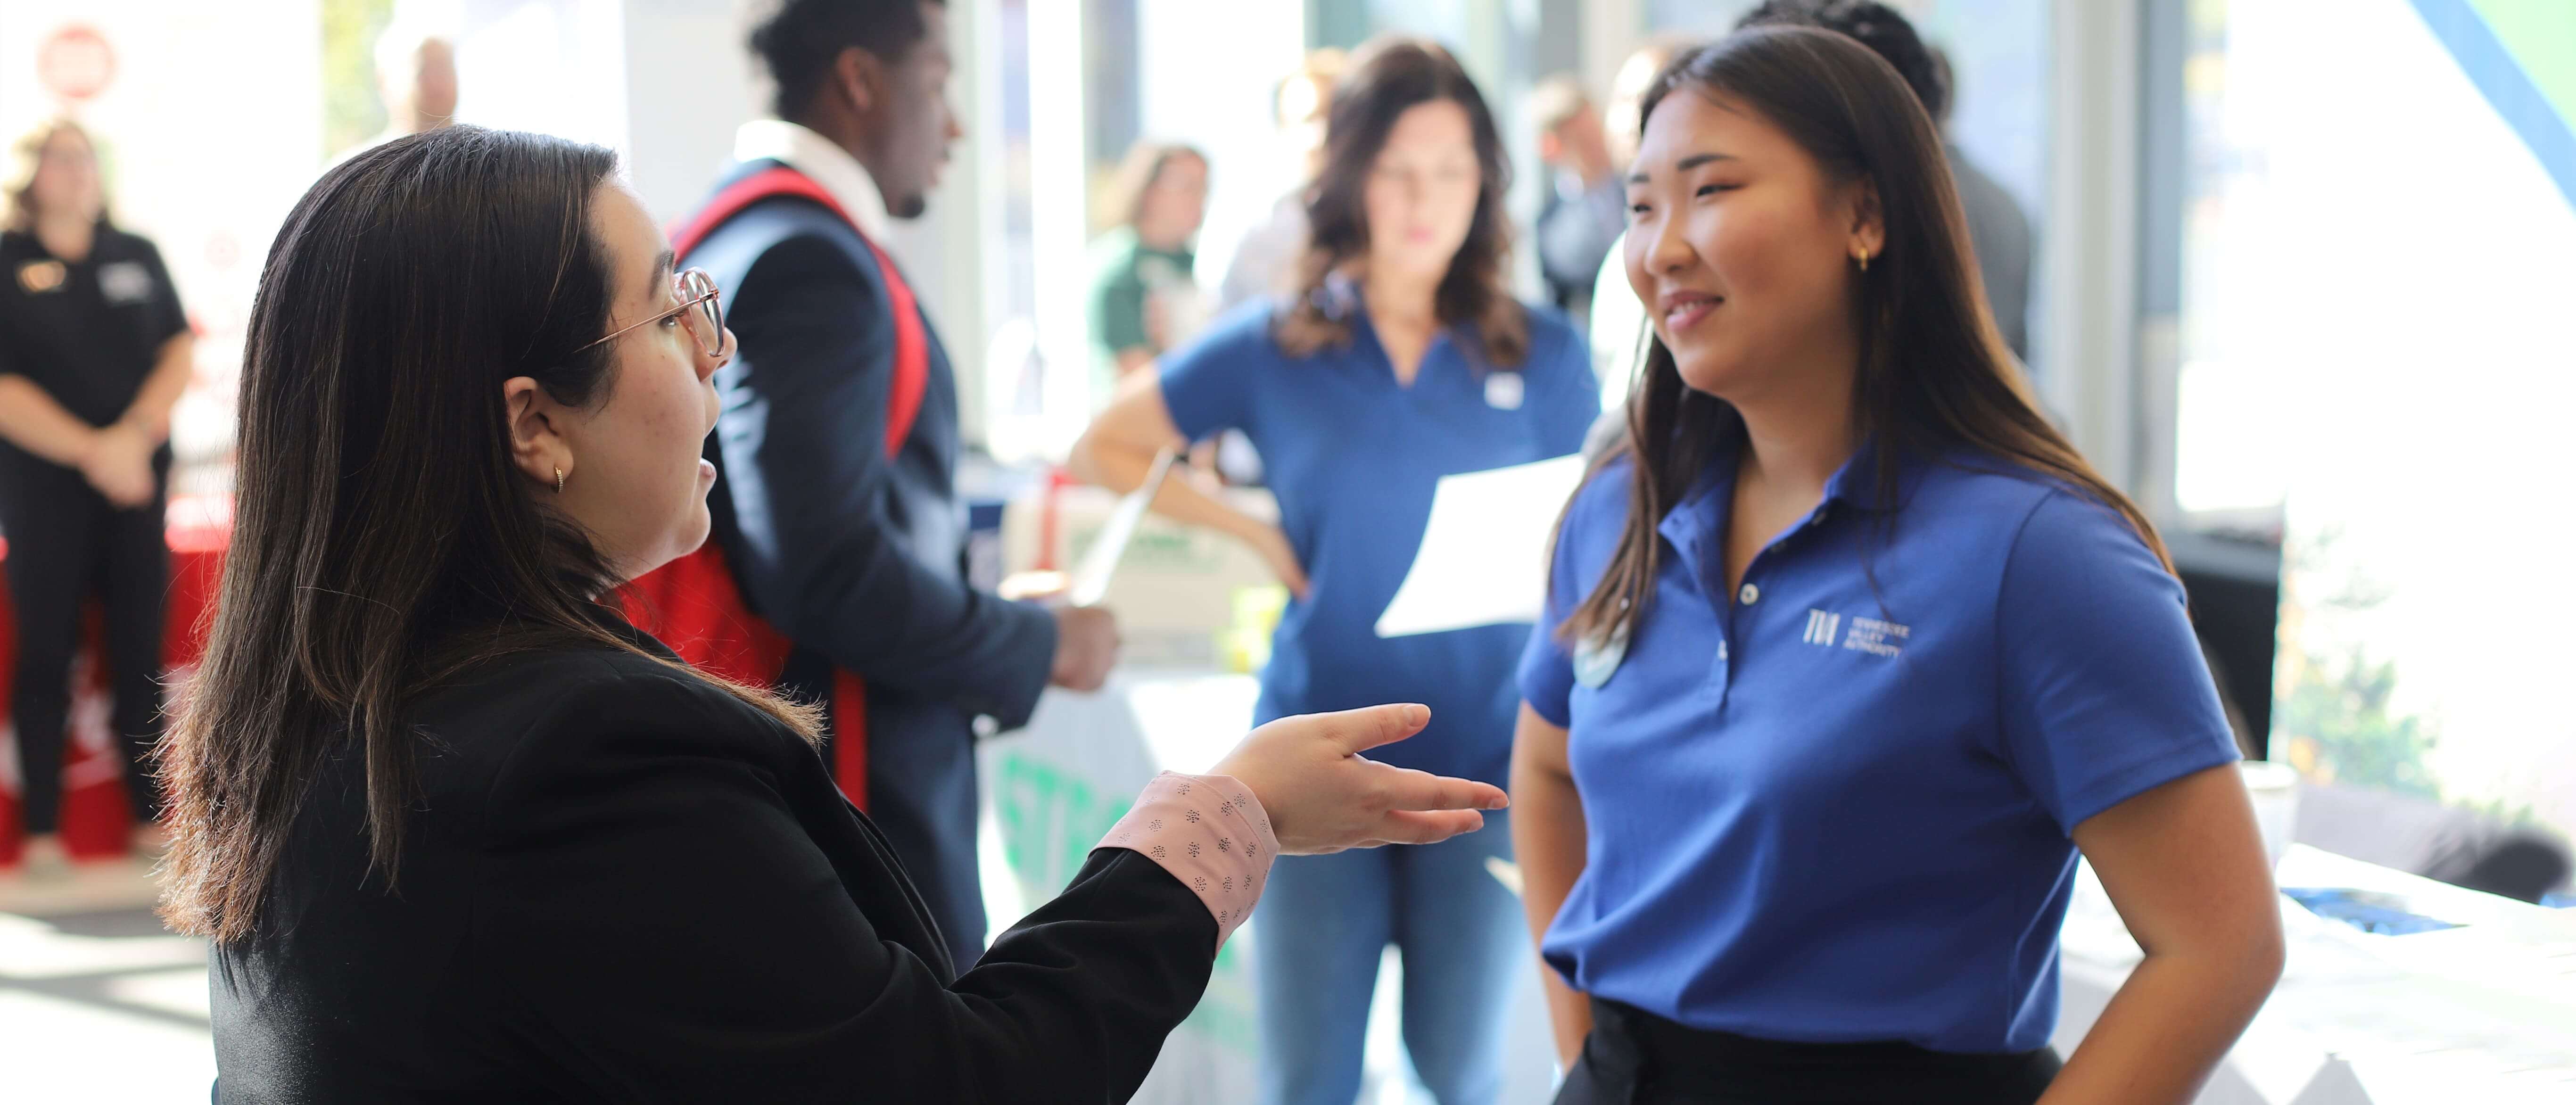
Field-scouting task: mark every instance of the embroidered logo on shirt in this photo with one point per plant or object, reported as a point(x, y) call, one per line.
point(1821, 626)
point(125, 282)
point(1870, 635)
point(1504, 390)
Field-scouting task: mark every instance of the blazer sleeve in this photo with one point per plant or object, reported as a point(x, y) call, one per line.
point(667, 930)
point(803, 435)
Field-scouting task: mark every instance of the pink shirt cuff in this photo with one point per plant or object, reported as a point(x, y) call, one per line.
point(1210, 833)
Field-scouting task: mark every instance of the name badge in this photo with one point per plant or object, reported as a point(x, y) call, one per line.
point(125, 282)
point(1596, 660)
point(39, 277)
point(1504, 391)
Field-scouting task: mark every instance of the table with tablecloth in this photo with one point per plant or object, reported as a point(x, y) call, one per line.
point(2480, 1008)
point(96, 822)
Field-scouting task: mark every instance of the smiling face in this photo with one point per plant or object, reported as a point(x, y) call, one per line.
point(1740, 245)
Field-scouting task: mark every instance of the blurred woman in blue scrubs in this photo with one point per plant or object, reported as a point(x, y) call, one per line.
point(1848, 654)
point(1400, 358)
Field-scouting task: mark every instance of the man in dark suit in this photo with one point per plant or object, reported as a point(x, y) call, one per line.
point(837, 511)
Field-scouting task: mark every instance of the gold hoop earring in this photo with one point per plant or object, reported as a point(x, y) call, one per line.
point(558, 481)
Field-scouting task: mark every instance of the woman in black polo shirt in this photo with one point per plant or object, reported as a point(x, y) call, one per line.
point(94, 351)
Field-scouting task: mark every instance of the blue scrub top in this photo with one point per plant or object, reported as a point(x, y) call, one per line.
point(1836, 805)
point(1353, 458)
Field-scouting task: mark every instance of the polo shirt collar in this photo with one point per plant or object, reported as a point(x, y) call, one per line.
point(822, 159)
point(1696, 525)
point(1856, 483)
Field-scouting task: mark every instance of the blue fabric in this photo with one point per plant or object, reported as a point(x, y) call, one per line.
point(1353, 458)
point(1325, 923)
point(1841, 812)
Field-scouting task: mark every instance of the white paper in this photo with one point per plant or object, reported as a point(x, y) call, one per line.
point(1483, 559)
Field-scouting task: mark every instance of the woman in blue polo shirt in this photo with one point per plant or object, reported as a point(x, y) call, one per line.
point(1401, 358)
point(1848, 654)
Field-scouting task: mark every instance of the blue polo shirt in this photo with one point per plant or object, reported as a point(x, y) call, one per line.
point(1353, 457)
point(1835, 805)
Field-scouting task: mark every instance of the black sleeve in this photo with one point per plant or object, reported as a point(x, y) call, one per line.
point(673, 932)
point(803, 437)
point(167, 318)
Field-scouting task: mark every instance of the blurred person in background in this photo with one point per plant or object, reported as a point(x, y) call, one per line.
point(1586, 201)
point(838, 531)
point(1811, 745)
point(416, 75)
point(1615, 330)
point(1268, 253)
point(1628, 88)
point(1400, 357)
point(1998, 233)
point(1144, 299)
point(1997, 226)
point(94, 352)
point(457, 831)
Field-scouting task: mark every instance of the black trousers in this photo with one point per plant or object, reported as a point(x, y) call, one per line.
point(66, 544)
point(1637, 1058)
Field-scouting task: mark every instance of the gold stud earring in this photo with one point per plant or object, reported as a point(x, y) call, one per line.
point(558, 481)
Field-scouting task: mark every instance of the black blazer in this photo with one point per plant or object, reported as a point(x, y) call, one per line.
point(856, 556)
point(625, 885)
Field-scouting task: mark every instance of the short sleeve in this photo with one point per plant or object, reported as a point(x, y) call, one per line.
point(2105, 694)
point(169, 319)
point(1208, 384)
point(1547, 668)
point(1573, 391)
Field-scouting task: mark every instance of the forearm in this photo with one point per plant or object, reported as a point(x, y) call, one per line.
point(1548, 837)
point(31, 420)
point(1123, 469)
point(2168, 1028)
point(150, 411)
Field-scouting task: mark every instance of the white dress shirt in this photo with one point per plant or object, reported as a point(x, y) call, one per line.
point(820, 158)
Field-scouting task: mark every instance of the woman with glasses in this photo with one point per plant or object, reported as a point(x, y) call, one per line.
point(94, 351)
point(458, 832)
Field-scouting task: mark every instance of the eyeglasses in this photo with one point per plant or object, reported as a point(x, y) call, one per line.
point(700, 313)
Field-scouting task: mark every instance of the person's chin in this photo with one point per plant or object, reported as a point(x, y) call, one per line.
point(694, 532)
point(1707, 371)
point(701, 526)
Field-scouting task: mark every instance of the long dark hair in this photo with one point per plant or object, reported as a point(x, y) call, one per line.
point(1935, 377)
point(382, 538)
point(1387, 77)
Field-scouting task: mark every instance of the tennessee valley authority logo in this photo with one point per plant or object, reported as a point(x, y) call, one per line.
point(1870, 635)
